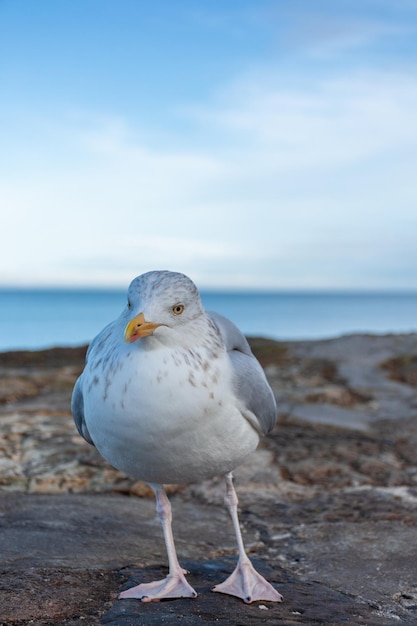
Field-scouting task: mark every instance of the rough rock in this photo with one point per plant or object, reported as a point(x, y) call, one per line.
point(328, 503)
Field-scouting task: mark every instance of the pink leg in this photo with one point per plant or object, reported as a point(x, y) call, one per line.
point(245, 582)
point(175, 584)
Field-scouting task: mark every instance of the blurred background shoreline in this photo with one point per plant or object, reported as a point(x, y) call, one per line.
point(38, 318)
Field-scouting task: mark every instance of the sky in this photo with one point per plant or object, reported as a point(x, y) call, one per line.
point(263, 144)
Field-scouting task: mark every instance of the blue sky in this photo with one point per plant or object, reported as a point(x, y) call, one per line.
point(263, 144)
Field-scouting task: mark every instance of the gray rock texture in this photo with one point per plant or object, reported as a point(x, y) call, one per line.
point(328, 503)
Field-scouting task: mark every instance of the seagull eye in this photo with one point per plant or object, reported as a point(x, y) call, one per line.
point(178, 309)
point(129, 304)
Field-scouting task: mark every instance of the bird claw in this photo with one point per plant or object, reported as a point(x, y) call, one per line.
point(246, 583)
point(173, 586)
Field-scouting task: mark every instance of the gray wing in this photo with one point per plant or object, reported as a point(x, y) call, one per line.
point(251, 385)
point(77, 400)
point(77, 408)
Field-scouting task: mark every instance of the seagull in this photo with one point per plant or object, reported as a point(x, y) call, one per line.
point(170, 394)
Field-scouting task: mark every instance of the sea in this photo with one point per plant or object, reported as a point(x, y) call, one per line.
point(32, 319)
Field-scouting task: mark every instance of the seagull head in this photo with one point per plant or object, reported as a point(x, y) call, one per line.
point(165, 305)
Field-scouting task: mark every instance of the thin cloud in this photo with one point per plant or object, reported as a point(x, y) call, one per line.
point(296, 168)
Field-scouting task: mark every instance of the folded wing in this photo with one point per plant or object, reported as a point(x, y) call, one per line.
point(250, 383)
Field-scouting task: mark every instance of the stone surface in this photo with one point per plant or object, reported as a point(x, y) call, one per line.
point(328, 503)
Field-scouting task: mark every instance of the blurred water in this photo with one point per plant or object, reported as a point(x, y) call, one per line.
point(40, 318)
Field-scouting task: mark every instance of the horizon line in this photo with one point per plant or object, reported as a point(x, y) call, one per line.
point(224, 289)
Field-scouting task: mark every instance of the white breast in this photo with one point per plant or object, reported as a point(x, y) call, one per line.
point(167, 416)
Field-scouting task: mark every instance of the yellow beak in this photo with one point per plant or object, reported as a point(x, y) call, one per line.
point(138, 327)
